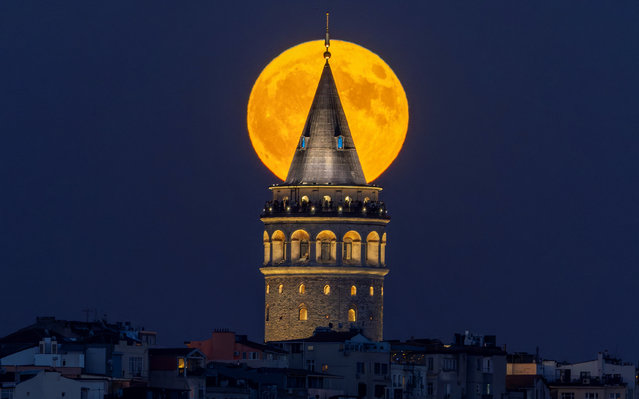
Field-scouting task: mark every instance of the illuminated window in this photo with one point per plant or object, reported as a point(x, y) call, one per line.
point(279, 249)
point(371, 291)
point(268, 313)
point(366, 200)
point(340, 142)
point(325, 249)
point(352, 316)
point(280, 288)
point(305, 199)
point(353, 290)
point(381, 290)
point(352, 247)
point(348, 200)
point(303, 142)
point(372, 248)
point(300, 245)
point(327, 289)
point(268, 288)
point(303, 314)
point(327, 198)
point(302, 289)
point(324, 367)
point(181, 365)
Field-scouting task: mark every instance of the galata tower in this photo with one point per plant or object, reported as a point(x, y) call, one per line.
point(324, 240)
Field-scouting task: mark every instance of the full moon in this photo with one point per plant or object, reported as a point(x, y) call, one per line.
point(373, 99)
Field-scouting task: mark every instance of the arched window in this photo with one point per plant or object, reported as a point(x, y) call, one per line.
point(353, 290)
point(268, 288)
point(268, 313)
point(267, 248)
point(340, 142)
point(327, 198)
point(303, 142)
point(325, 247)
point(303, 314)
point(327, 289)
point(352, 315)
point(305, 200)
point(280, 288)
point(300, 249)
point(302, 289)
point(371, 291)
point(279, 252)
point(381, 290)
point(366, 200)
point(372, 248)
point(326, 201)
point(347, 201)
point(352, 249)
point(382, 249)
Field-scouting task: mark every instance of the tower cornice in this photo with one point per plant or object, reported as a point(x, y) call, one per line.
point(323, 271)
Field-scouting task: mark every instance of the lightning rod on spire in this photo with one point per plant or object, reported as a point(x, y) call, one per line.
point(327, 41)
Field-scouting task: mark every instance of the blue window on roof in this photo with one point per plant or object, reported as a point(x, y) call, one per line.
point(303, 142)
point(340, 142)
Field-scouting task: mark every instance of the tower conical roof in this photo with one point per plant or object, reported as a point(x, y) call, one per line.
point(326, 153)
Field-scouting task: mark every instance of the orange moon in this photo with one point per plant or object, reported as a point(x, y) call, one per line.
point(372, 96)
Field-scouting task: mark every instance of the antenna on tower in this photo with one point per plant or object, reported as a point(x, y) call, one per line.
point(327, 41)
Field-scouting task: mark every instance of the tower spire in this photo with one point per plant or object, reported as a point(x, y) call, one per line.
point(327, 41)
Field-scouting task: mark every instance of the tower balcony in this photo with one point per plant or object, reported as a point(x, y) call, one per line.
point(360, 209)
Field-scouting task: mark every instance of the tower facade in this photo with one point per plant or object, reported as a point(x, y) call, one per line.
point(324, 239)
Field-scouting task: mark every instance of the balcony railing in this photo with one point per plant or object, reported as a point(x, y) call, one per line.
point(369, 209)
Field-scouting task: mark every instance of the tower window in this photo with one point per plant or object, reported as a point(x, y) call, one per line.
point(351, 315)
point(327, 289)
point(268, 288)
point(340, 142)
point(303, 314)
point(305, 199)
point(302, 289)
point(268, 313)
point(303, 142)
point(280, 288)
point(353, 290)
point(371, 291)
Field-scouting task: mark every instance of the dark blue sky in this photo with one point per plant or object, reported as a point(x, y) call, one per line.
point(129, 184)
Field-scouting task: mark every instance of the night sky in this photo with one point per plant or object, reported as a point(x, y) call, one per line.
point(129, 184)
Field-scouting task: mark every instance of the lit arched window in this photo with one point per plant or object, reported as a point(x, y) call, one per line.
point(327, 198)
point(303, 142)
point(347, 201)
point(279, 251)
point(352, 248)
point(302, 289)
point(366, 200)
point(327, 289)
point(268, 311)
point(303, 314)
point(352, 316)
point(300, 245)
point(381, 290)
point(353, 290)
point(305, 199)
point(268, 288)
point(280, 288)
point(325, 246)
point(371, 291)
point(372, 248)
point(340, 142)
